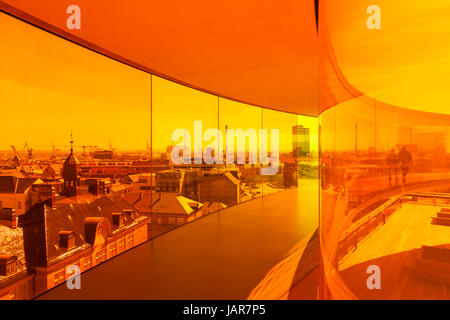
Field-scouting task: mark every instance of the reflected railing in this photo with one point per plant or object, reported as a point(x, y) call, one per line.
point(366, 225)
point(367, 218)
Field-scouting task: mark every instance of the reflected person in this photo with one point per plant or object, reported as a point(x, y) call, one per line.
point(405, 160)
point(392, 165)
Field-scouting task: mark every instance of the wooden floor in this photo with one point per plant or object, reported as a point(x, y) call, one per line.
point(394, 247)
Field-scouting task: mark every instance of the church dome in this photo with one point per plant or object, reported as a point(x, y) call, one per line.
point(71, 160)
point(70, 174)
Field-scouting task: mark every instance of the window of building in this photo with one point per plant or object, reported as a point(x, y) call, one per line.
point(130, 241)
point(121, 244)
point(172, 220)
point(87, 262)
point(118, 219)
point(113, 250)
point(19, 205)
point(59, 276)
point(100, 256)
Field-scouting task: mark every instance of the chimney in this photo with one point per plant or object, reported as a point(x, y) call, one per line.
point(66, 239)
point(8, 264)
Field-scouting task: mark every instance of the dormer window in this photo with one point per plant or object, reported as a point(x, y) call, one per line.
point(8, 264)
point(193, 205)
point(66, 239)
point(118, 219)
point(128, 213)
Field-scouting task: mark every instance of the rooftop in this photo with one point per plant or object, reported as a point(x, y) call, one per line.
point(220, 256)
point(43, 225)
point(15, 184)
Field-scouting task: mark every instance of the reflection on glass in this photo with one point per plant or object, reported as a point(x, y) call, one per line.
point(384, 197)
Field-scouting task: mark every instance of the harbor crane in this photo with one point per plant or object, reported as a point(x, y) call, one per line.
point(29, 150)
point(16, 154)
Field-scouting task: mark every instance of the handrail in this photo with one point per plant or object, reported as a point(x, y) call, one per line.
point(373, 214)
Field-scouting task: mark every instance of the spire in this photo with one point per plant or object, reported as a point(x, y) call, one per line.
point(71, 159)
point(70, 172)
point(71, 142)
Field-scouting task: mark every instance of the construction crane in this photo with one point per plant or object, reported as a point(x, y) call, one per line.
point(16, 154)
point(29, 150)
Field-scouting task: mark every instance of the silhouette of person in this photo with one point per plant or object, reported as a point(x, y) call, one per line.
point(405, 159)
point(392, 164)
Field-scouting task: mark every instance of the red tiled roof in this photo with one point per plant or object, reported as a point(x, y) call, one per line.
point(43, 225)
point(12, 184)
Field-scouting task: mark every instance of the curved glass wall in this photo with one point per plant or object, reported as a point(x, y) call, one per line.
point(120, 156)
point(385, 191)
point(384, 142)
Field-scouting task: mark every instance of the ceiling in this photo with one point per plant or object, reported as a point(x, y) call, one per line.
point(259, 52)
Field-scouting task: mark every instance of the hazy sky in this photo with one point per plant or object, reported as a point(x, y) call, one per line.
point(50, 87)
point(175, 106)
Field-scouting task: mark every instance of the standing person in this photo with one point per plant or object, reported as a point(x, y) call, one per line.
point(392, 164)
point(405, 159)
